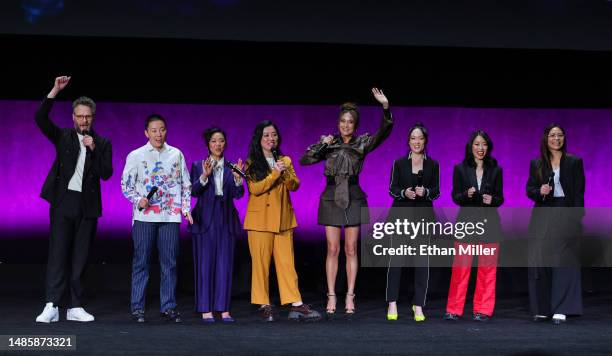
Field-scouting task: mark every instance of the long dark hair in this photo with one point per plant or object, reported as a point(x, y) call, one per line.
point(488, 160)
point(257, 166)
point(545, 156)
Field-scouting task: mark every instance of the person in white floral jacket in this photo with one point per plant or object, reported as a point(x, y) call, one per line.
point(156, 181)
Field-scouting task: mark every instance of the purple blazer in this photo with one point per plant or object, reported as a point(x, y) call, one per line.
point(202, 213)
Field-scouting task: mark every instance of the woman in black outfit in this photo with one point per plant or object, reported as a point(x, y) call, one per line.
point(556, 179)
point(415, 183)
point(478, 190)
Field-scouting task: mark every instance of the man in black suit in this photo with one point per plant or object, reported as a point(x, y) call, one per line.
point(72, 188)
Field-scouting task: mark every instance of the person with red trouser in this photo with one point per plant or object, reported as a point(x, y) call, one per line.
point(478, 190)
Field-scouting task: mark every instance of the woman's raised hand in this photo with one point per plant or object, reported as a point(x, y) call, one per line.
point(380, 97)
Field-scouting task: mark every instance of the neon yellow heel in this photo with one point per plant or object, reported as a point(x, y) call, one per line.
point(417, 318)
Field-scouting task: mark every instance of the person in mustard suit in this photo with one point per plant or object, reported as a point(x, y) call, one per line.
point(270, 221)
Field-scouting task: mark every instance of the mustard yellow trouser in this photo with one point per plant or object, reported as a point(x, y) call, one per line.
point(264, 245)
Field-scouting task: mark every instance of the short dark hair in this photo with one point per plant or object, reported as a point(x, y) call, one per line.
point(209, 132)
point(154, 117)
point(85, 101)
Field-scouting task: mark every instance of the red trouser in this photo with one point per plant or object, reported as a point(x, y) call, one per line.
point(484, 295)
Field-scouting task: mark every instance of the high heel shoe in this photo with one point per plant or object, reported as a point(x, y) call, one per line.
point(417, 318)
point(350, 312)
point(330, 313)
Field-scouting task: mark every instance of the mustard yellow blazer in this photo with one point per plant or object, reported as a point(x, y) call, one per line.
point(269, 208)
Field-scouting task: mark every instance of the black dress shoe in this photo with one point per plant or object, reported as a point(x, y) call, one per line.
point(265, 313)
point(139, 316)
point(451, 317)
point(172, 316)
point(481, 317)
point(304, 313)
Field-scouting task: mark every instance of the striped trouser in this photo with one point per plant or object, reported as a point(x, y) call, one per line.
point(146, 235)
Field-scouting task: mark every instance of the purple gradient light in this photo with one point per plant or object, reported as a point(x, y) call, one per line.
point(515, 132)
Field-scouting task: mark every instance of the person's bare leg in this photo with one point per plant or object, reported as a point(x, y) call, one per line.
point(418, 311)
point(392, 309)
point(351, 235)
point(332, 235)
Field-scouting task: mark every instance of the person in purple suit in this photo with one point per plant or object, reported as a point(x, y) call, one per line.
point(216, 226)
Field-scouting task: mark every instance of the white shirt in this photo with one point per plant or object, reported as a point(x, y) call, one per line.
point(76, 182)
point(146, 167)
point(558, 188)
point(217, 175)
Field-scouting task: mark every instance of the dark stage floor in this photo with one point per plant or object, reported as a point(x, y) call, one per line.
point(510, 332)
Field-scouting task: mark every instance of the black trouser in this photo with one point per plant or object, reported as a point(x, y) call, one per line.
point(555, 290)
point(421, 280)
point(71, 237)
point(420, 264)
point(555, 285)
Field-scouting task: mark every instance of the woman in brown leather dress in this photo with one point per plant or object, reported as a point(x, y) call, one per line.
point(341, 201)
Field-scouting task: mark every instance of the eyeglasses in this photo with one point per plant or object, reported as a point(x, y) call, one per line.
point(84, 117)
point(556, 136)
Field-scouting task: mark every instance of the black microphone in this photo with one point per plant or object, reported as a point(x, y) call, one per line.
point(150, 195)
point(276, 157)
point(321, 149)
point(420, 178)
point(86, 133)
point(324, 146)
point(551, 179)
point(235, 169)
point(486, 188)
point(551, 183)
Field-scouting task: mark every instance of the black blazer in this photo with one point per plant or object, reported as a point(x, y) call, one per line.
point(571, 179)
point(98, 164)
point(473, 209)
point(402, 178)
point(464, 177)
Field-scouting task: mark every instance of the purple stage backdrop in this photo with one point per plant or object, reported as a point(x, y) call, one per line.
point(516, 134)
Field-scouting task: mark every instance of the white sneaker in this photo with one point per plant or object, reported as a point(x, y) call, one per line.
point(49, 315)
point(559, 316)
point(558, 319)
point(78, 314)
